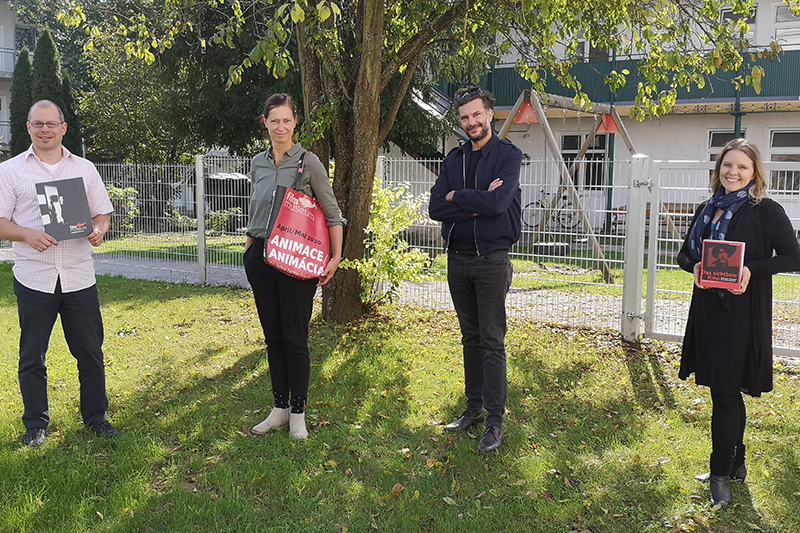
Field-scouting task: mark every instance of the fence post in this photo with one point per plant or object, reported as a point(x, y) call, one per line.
point(633, 273)
point(200, 212)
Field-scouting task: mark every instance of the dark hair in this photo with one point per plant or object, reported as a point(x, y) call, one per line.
point(466, 95)
point(277, 100)
point(759, 188)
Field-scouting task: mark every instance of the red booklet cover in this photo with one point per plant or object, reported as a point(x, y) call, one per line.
point(722, 264)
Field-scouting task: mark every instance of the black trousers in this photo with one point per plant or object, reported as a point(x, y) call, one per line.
point(83, 330)
point(284, 307)
point(478, 285)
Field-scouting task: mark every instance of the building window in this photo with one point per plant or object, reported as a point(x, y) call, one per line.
point(785, 146)
point(787, 27)
point(727, 15)
point(594, 55)
point(591, 172)
point(717, 139)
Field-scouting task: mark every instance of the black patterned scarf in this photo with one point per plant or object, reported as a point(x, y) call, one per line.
point(730, 203)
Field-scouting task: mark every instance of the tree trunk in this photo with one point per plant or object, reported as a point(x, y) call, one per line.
point(354, 186)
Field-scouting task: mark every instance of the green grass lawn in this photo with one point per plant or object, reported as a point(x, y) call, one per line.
point(600, 435)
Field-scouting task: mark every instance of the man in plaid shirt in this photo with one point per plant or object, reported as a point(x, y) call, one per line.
point(54, 278)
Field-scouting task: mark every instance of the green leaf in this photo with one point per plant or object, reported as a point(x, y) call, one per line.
point(298, 15)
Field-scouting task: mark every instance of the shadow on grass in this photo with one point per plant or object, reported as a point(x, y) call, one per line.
point(185, 461)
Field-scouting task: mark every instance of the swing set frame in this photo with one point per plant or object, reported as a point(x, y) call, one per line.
point(603, 114)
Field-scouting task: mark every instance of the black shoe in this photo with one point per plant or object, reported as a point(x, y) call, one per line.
point(739, 474)
point(466, 420)
point(491, 440)
point(34, 437)
point(720, 489)
point(104, 429)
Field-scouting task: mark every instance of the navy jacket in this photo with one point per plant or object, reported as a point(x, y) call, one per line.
point(495, 214)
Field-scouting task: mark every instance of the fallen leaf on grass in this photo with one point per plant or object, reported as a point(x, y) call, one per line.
point(448, 500)
point(397, 489)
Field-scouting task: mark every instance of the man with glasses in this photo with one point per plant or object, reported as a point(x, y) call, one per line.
point(477, 199)
point(53, 278)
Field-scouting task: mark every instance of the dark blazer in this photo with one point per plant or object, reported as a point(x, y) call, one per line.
point(728, 339)
point(496, 214)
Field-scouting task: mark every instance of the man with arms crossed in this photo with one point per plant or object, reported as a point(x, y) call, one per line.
point(477, 199)
point(54, 278)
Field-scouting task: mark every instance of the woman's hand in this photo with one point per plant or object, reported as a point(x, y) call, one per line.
point(745, 282)
point(697, 276)
point(329, 271)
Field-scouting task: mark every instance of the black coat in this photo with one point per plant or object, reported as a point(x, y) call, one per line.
point(728, 340)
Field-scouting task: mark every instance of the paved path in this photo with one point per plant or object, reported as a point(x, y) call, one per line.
point(558, 307)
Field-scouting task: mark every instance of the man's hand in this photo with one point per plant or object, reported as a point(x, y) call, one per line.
point(101, 224)
point(449, 196)
point(495, 184)
point(96, 237)
point(39, 240)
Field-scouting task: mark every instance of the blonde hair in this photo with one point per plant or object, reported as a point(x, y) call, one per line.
point(759, 189)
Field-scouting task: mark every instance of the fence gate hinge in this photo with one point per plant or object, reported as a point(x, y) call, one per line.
point(631, 316)
point(644, 183)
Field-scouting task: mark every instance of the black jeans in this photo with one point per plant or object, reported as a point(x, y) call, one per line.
point(284, 307)
point(478, 286)
point(83, 330)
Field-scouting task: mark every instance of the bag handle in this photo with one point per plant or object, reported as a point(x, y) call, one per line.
point(300, 170)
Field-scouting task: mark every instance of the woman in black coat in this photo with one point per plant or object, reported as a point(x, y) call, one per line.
point(728, 340)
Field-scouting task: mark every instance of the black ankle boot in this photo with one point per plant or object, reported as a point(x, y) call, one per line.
point(720, 480)
point(720, 490)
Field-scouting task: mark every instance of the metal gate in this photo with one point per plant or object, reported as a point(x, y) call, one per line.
point(676, 189)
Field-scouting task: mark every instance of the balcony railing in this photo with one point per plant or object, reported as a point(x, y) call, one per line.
point(8, 58)
point(5, 134)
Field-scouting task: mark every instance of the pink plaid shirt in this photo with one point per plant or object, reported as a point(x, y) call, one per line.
point(71, 260)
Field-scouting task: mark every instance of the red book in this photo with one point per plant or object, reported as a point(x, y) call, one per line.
point(722, 264)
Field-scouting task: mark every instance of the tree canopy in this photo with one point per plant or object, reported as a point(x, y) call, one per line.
point(46, 76)
point(358, 62)
point(21, 103)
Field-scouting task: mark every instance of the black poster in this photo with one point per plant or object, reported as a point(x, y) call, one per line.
point(65, 209)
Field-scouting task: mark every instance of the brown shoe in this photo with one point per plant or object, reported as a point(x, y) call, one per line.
point(465, 421)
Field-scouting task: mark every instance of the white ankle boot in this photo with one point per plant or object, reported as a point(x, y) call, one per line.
point(278, 418)
point(297, 426)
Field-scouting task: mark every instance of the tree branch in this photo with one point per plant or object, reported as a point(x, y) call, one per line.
point(400, 94)
point(415, 46)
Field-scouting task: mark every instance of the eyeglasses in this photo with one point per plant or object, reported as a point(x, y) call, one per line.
point(473, 91)
point(50, 125)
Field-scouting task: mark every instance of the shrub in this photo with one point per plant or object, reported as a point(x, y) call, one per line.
point(388, 259)
point(125, 210)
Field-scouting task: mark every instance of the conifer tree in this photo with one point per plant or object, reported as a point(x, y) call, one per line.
point(46, 82)
point(73, 139)
point(20, 103)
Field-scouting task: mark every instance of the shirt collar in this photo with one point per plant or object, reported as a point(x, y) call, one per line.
point(290, 153)
point(64, 153)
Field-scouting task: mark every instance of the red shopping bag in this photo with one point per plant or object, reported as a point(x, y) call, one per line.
point(298, 242)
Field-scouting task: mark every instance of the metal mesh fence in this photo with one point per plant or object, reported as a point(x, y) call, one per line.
point(682, 186)
point(568, 263)
point(573, 241)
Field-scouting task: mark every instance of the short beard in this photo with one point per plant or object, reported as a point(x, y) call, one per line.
point(482, 135)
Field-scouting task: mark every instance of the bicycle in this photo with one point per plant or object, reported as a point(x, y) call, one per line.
point(562, 212)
